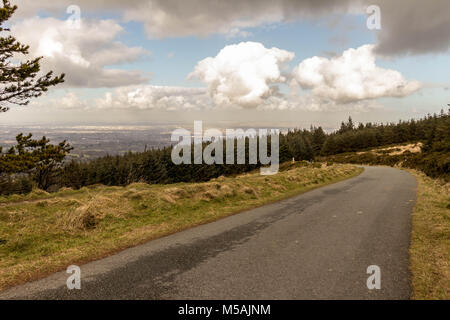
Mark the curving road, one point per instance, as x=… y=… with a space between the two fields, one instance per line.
x=314 y=246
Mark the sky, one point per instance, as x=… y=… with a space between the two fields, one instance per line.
x=277 y=63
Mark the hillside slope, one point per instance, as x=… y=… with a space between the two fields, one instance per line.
x=41 y=233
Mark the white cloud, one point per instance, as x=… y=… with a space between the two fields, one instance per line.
x=351 y=77
x=150 y=97
x=81 y=53
x=244 y=74
x=70 y=101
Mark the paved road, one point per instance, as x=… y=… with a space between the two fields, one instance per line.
x=314 y=246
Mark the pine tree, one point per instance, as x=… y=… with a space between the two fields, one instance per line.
x=149 y=168
x=319 y=138
x=36 y=157
x=19 y=82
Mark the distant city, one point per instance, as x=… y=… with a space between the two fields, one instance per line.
x=92 y=141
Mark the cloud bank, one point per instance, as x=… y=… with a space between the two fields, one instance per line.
x=248 y=75
x=408 y=26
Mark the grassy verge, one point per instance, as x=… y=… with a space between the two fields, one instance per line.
x=430 y=239
x=42 y=233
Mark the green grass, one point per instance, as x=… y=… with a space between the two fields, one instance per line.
x=42 y=233
x=430 y=240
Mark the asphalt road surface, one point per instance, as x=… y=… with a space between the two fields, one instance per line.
x=314 y=246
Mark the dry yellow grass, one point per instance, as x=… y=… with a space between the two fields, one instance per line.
x=42 y=233
x=82 y=216
x=396 y=150
x=430 y=240
x=413 y=148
